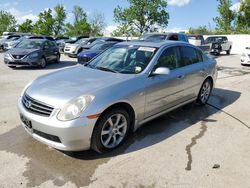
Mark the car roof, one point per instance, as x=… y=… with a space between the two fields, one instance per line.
x=156 y=44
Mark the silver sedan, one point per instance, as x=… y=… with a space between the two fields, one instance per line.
x=97 y=105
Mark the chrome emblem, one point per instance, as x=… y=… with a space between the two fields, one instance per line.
x=18 y=57
x=27 y=104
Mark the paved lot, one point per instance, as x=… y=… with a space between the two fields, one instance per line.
x=190 y=147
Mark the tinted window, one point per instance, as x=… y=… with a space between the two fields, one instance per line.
x=170 y=58
x=189 y=56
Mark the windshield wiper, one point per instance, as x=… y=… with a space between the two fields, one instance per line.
x=106 y=69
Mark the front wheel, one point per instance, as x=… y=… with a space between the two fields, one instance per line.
x=43 y=63
x=110 y=131
x=205 y=92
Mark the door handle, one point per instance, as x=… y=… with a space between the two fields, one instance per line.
x=181 y=77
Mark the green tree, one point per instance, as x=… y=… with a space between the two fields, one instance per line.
x=80 y=25
x=124 y=31
x=59 y=19
x=97 y=24
x=141 y=15
x=26 y=27
x=226 y=17
x=45 y=23
x=243 y=17
x=201 y=30
x=7 y=22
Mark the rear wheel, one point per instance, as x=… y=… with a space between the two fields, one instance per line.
x=205 y=92
x=111 y=130
x=229 y=51
x=57 y=58
x=43 y=63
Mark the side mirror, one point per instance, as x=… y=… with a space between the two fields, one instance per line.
x=45 y=47
x=161 y=71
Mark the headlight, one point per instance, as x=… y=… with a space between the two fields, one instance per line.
x=33 y=55
x=74 y=108
x=7 y=56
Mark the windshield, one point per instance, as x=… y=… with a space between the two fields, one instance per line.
x=80 y=41
x=102 y=46
x=30 y=44
x=124 y=59
x=213 y=39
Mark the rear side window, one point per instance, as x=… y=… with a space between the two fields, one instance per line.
x=189 y=56
x=170 y=58
x=182 y=38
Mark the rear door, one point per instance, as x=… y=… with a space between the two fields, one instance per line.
x=194 y=71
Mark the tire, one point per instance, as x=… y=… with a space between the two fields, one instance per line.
x=107 y=135
x=58 y=58
x=205 y=92
x=229 y=51
x=43 y=63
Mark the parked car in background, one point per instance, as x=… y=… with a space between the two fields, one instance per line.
x=12 y=43
x=72 y=40
x=72 y=50
x=198 y=40
x=219 y=44
x=87 y=55
x=32 y=52
x=245 y=57
x=96 y=106
x=164 y=36
x=7 y=38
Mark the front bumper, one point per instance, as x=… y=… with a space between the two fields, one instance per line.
x=22 y=62
x=70 y=52
x=245 y=60
x=74 y=135
x=215 y=51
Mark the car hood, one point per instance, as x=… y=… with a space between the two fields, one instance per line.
x=71 y=45
x=21 y=51
x=62 y=86
x=89 y=53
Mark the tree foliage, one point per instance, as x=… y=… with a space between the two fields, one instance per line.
x=141 y=15
x=243 y=17
x=80 y=25
x=45 y=23
x=201 y=30
x=7 y=22
x=26 y=27
x=59 y=19
x=226 y=16
x=97 y=24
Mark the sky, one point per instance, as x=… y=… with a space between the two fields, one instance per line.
x=183 y=13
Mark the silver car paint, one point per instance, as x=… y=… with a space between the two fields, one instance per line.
x=149 y=96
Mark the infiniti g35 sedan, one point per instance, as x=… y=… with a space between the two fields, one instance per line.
x=32 y=52
x=97 y=105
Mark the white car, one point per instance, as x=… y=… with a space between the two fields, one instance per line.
x=245 y=57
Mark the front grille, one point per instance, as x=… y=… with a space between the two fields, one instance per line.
x=47 y=136
x=35 y=106
x=18 y=63
x=18 y=56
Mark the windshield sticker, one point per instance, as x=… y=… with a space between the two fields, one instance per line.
x=146 y=49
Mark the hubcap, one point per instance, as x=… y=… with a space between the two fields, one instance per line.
x=114 y=131
x=205 y=91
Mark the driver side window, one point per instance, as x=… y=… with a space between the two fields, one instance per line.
x=170 y=58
